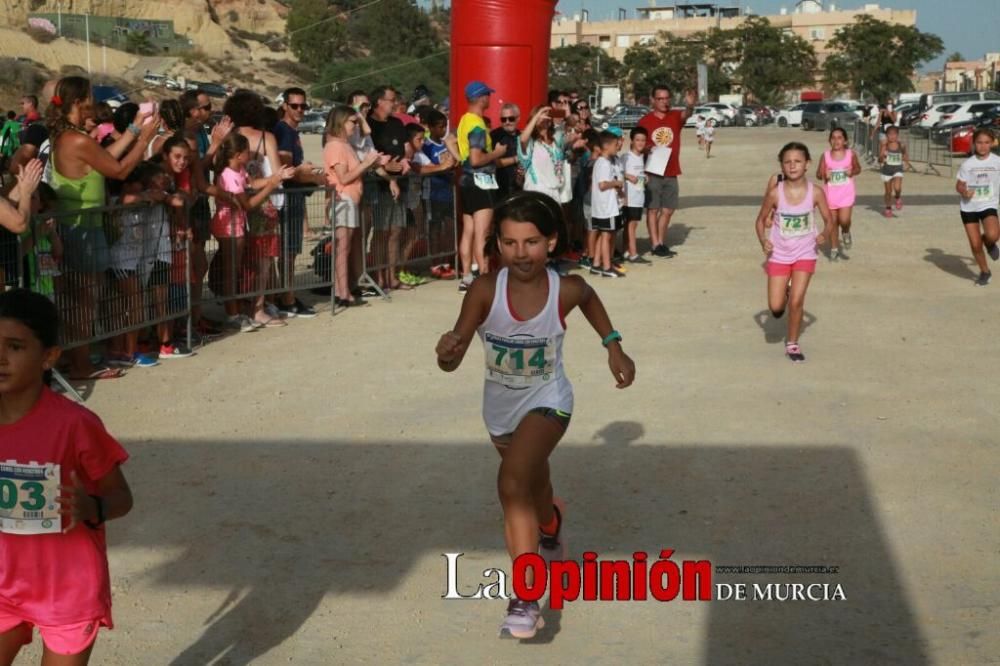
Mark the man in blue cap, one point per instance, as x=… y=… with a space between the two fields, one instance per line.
x=478 y=183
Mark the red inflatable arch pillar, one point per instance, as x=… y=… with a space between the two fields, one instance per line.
x=505 y=44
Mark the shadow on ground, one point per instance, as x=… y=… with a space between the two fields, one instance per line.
x=281 y=524
x=960 y=266
x=873 y=202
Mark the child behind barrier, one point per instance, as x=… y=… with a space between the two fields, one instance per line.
x=230 y=225
x=344 y=172
x=42 y=246
x=439 y=188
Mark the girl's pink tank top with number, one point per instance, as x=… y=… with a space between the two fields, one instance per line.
x=839 y=183
x=793 y=233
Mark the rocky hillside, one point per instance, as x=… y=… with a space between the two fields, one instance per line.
x=235 y=41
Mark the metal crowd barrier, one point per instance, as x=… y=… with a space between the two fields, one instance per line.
x=932 y=148
x=114 y=270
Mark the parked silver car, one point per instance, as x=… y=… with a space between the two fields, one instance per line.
x=312 y=123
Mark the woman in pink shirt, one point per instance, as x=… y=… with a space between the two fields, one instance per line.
x=788 y=236
x=344 y=172
x=61 y=481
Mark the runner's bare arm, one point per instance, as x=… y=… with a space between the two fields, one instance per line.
x=764 y=217
x=855 y=164
x=819 y=197
x=575 y=292
x=451 y=347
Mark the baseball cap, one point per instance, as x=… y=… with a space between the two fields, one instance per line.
x=617 y=131
x=474 y=89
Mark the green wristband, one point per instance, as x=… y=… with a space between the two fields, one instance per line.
x=611 y=337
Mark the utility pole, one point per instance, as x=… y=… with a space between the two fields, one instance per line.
x=86 y=20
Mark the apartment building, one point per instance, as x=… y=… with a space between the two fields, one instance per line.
x=813 y=20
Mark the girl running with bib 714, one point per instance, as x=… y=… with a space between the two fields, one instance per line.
x=837 y=170
x=788 y=235
x=519 y=313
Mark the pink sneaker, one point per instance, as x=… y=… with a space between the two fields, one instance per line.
x=888 y=212
x=899 y=204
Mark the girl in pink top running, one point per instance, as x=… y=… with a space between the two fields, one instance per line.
x=788 y=235
x=60 y=480
x=837 y=170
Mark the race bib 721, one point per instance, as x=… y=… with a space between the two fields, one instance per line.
x=28 y=494
x=792 y=226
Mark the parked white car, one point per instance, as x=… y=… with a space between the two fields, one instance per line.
x=790 y=117
x=966 y=112
x=708 y=113
x=727 y=111
x=933 y=115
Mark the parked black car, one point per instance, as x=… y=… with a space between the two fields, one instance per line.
x=827 y=115
x=626 y=117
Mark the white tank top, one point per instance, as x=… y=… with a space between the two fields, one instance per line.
x=524 y=368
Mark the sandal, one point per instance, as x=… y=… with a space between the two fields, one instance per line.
x=100 y=373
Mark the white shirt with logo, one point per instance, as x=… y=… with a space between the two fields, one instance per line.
x=982 y=177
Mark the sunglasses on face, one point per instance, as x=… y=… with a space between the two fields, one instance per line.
x=298 y=107
x=583 y=108
x=206 y=107
x=509 y=119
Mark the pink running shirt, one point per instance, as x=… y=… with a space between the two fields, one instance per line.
x=58 y=579
x=793 y=233
x=839 y=186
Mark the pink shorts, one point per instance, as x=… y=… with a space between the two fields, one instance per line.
x=63 y=639
x=784 y=270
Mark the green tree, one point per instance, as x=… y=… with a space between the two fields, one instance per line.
x=316 y=34
x=956 y=57
x=139 y=43
x=673 y=62
x=877 y=58
x=575 y=67
x=771 y=61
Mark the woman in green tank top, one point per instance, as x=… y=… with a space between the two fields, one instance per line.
x=79 y=167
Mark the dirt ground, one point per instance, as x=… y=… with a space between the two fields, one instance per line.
x=295 y=489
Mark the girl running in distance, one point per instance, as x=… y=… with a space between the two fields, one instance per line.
x=788 y=236
x=979 y=186
x=519 y=313
x=892 y=157
x=55 y=565
x=837 y=170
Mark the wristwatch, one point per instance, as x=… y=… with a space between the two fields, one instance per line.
x=100 y=514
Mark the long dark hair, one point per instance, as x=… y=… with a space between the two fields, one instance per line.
x=234 y=144
x=69 y=91
x=535 y=207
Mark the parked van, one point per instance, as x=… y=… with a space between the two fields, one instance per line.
x=927 y=100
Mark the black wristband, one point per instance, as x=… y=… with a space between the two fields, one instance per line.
x=100 y=514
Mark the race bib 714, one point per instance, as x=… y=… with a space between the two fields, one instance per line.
x=28 y=498
x=519 y=362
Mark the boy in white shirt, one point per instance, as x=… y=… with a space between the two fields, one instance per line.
x=604 y=209
x=635 y=192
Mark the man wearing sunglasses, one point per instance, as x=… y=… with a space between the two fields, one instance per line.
x=293 y=213
x=507 y=135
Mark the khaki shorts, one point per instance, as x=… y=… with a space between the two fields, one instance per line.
x=661 y=192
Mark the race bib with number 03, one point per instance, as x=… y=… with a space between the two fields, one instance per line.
x=838 y=177
x=894 y=159
x=792 y=226
x=485 y=181
x=518 y=362
x=28 y=498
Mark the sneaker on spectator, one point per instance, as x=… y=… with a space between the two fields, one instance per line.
x=637 y=259
x=174 y=351
x=303 y=310
x=447 y=274
x=274 y=311
x=143 y=361
x=283 y=311
x=120 y=360
x=241 y=322
x=585 y=262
